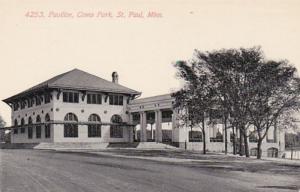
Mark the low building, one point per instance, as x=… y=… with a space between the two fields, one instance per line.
x=79 y=107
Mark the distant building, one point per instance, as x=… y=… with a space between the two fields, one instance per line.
x=79 y=107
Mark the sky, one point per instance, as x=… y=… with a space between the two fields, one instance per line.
x=141 y=49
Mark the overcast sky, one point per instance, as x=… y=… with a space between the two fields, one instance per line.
x=141 y=50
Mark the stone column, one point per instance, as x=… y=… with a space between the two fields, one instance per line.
x=207 y=133
x=143 y=123
x=158 y=131
x=228 y=134
x=130 y=129
x=174 y=124
x=223 y=130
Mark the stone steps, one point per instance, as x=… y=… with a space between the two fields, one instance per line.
x=154 y=145
x=87 y=146
x=69 y=145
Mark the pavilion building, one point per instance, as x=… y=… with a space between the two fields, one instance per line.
x=78 y=107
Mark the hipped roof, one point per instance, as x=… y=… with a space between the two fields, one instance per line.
x=78 y=80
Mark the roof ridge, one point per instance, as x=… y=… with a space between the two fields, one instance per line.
x=75 y=69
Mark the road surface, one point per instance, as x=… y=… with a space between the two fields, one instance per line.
x=45 y=171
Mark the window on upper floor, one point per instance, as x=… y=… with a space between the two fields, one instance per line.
x=38 y=100
x=116 y=100
x=30 y=102
x=47 y=98
x=16 y=106
x=94 y=98
x=70 y=97
x=253 y=137
x=23 y=103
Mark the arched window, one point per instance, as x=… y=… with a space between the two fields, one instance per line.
x=71 y=128
x=22 y=125
x=116 y=130
x=29 y=128
x=253 y=137
x=47 y=126
x=16 y=127
x=94 y=130
x=38 y=127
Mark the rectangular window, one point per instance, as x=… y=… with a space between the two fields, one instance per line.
x=116 y=100
x=70 y=130
x=38 y=131
x=47 y=131
x=16 y=106
x=195 y=136
x=116 y=131
x=38 y=101
x=94 y=98
x=111 y=99
x=16 y=131
x=89 y=100
x=94 y=131
x=65 y=97
x=120 y=100
x=30 y=103
x=22 y=130
x=47 y=98
x=23 y=104
x=70 y=97
x=29 y=132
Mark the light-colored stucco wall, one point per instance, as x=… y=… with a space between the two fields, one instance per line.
x=32 y=112
x=57 y=109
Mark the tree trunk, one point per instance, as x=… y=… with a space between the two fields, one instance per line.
x=259 y=152
x=191 y=136
x=234 y=140
x=242 y=147
x=246 y=145
x=225 y=123
x=203 y=137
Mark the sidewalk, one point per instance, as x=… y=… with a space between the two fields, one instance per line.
x=169 y=155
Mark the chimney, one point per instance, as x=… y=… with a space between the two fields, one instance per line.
x=115 y=77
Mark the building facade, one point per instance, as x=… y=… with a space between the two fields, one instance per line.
x=79 y=107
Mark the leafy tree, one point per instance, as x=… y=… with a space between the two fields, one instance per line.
x=195 y=98
x=231 y=71
x=248 y=89
x=276 y=92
